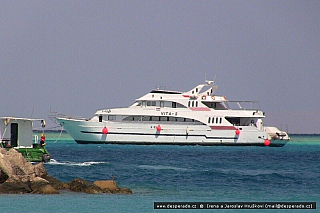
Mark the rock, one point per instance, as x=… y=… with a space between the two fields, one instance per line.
x=40 y=171
x=80 y=185
x=37 y=182
x=15 y=172
x=55 y=183
x=18 y=176
x=12 y=163
x=3 y=177
x=47 y=189
x=14 y=186
x=39 y=185
x=124 y=191
x=19 y=165
x=111 y=186
x=106 y=184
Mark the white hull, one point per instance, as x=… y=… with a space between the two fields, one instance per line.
x=170 y=134
x=196 y=117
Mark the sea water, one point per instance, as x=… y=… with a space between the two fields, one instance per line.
x=158 y=173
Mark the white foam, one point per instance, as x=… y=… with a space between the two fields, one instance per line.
x=70 y=163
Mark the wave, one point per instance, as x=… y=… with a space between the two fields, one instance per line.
x=248 y=174
x=69 y=163
x=161 y=167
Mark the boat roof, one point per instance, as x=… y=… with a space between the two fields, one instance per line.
x=165 y=91
x=15 y=118
x=197 y=90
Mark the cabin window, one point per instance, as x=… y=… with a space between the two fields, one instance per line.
x=234 y=121
x=130 y=118
x=160 y=119
x=212 y=105
x=100 y=118
x=146 y=118
x=111 y=117
x=136 y=118
x=215 y=120
x=174 y=105
x=161 y=104
x=180 y=119
x=151 y=103
x=133 y=118
x=155 y=118
x=180 y=106
x=164 y=118
x=172 y=119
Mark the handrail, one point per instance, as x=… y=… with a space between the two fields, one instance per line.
x=36 y=137
x=243 y=105
x=53 y=115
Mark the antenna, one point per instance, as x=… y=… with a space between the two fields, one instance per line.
x=32 y=112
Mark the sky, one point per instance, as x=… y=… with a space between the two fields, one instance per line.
x=75 y=57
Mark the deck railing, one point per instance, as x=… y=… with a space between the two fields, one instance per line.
x=242 y=105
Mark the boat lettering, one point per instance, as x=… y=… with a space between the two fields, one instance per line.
x=106 y=110
x=169 y=113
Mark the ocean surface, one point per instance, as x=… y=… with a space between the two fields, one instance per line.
x=178 y=173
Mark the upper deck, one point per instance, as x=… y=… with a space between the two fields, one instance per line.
x=200 y=98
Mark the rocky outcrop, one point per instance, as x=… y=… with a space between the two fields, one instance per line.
x=18 y=176
x=80 y=185
x=111 y=186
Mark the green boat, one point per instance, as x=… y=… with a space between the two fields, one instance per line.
x=17 y=133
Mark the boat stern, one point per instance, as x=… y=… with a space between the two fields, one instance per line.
x=277 y=137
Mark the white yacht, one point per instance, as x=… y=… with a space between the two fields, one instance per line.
x=196 y=117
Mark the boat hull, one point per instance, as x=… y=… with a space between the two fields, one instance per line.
x=85 y=132
x=37 y=153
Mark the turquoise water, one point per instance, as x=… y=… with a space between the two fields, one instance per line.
x=177 y=173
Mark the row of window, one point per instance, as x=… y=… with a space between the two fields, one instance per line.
x=109 y=118
x=159 y=118
x=216 y=120
x=150 y=118
x=168 y=104
x=193 y=104
x=213 y=120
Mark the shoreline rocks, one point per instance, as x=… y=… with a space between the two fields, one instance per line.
x=18 y=176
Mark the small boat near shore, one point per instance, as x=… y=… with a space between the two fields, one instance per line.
x=195 y=117
x=17 y=133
